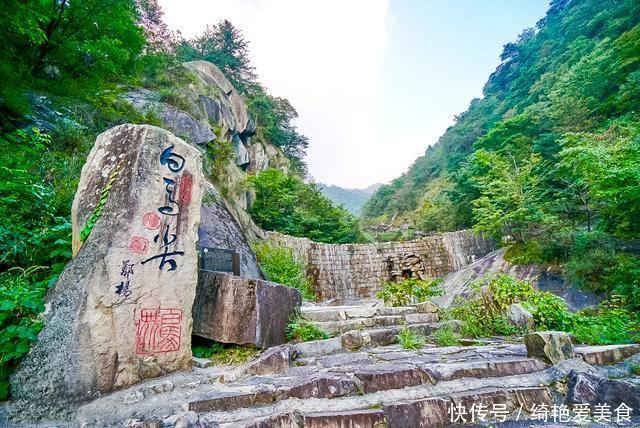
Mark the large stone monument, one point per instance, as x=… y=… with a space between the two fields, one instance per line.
x=121 y=310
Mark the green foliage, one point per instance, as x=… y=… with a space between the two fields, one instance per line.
x=274 y=124
x=97 y=211
x=606 y=325
x=280 y=265
x=483 y=315
x=410 y=340
x=223 y=45
x=446 y=337
x=21 y=302
x=524 y=253
x=65 y=46
x=286 y=204
x=225 y=354
x=409 y=290
x=299 y=330
x=218 y=154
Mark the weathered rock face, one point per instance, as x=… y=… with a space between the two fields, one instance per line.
x=585 y=388
x=121 y=310
x=544 y=278
x=232 y=105
x=518 y=316
x=244 y=311
x=218 y=228
x=549 y=346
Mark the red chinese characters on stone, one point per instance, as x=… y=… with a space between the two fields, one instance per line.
x=158 y=331
x=186 y=183
x=139 y=245
x=151 y=221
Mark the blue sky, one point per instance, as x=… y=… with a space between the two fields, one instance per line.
x=375 y=82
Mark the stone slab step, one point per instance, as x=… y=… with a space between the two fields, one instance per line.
x=341 y=313
x=439 y=411
x=341 y=326
x=607 y=354
x=354 y=374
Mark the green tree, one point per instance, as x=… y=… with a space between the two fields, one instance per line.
x=66 y=42
x=223 y=45
x=511 y=201
x=285 y=203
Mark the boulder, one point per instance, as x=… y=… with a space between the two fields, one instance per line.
x=183 y=124
x=427 y=307
x=586 y=388
x=120 y=312
x=209 y=74
x=243 y=311
x=550 y=346
x=519 y=317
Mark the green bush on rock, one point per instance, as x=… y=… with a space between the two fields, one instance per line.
x=483 y=315
x=410 y=340
x=409 y=290
x=281 y=266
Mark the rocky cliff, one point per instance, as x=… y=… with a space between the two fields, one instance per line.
x=209 y=113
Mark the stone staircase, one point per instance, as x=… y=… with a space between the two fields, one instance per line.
x=340 y=319
x=322 y=384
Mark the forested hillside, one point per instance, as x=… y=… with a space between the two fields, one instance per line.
x=549 y=158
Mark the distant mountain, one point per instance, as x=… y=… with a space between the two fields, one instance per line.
x=351 y=199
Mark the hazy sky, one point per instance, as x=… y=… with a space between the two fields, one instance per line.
x=374 y=81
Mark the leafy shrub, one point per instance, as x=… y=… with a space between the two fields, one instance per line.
x=483 y=315
x=225 y=354
x=623 y=279
x=549 y=311
x=523 y=253
x=608 y=324
x=21 y=302
x=447 y=337
x=299 y=330
x=410 y=340
x=280 y=265
x=409 y=290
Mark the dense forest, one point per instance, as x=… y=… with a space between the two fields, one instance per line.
x=65 y=67
x=549 y=159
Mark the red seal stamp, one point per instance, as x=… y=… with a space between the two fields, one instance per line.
x=151 y=221
x=158 y=331
x=139 y=245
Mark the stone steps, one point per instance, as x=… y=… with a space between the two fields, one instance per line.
x=327 y=386
x=356 y=375
x=426 y=412
x=340 y=319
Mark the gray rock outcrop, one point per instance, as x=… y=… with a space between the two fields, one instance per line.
x=585 y=388
x=549 y=346
x=518 y=316
x=121 y=310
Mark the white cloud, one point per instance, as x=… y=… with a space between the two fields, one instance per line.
x=326 y=57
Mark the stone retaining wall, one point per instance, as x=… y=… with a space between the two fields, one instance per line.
x=342 y=271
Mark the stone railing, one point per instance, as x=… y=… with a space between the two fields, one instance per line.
x=341 y=271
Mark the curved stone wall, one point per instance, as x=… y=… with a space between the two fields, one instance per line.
x=342 y=271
